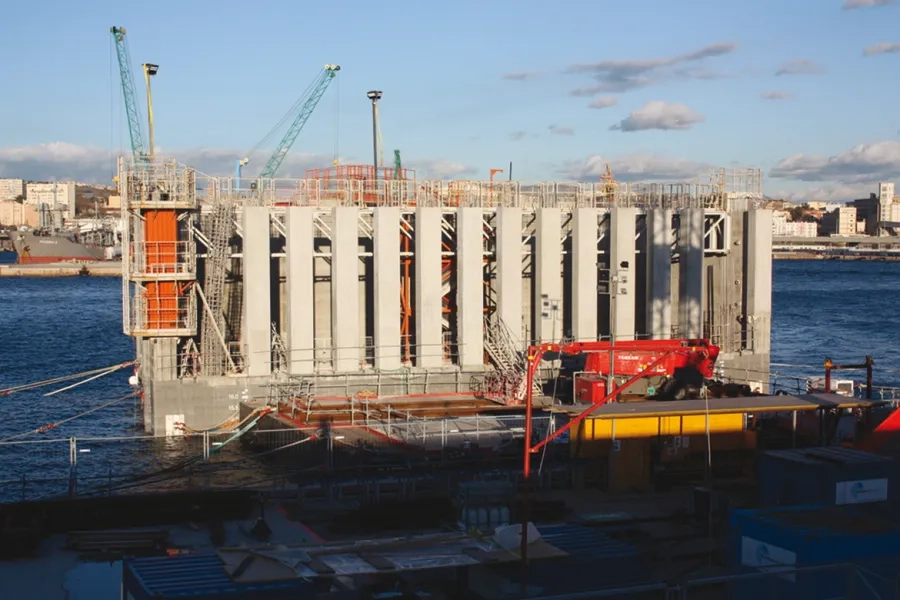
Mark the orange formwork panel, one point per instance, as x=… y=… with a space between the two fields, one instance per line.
x=161 y=237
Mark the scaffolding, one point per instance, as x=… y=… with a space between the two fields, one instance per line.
x=159 y=260
x=357 y=185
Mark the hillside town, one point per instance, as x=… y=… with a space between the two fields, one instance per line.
x=877 y=215
x=37 y=204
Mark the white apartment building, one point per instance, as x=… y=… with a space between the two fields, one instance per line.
x=52 y=193
x=781 y=227
x=841 y=221
x=886 y=202
x=10 y=189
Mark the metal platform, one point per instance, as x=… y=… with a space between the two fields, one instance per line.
x=750 y=404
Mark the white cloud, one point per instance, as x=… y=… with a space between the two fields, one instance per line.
x=521 y=76
x=659 y=115
x=863 y=163
x=557 y=130
x=440 y=169
x=518 y=136
x=65 y=161
x=775 y=95
x=616 y=76
x=636 y=167
x=851 y=4
x=825 y=193
x=800 y=67
x=882 y=48
x=604 y=102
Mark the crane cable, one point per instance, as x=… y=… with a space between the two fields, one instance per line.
x=291 y=112
x=49 y=426
x=90 y=376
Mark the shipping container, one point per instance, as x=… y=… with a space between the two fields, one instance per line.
x=825 y=476
x=777 y=541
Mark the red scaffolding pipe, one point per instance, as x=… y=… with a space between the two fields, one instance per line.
x=535 y=354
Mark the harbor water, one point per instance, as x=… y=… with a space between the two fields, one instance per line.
x=59 y=326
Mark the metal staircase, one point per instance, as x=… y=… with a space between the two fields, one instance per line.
x=506 y=356
x=217 y=257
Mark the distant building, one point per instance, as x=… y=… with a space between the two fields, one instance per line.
x=881 y=207
x=10 y=189
x=16 y=214
x=51 y=194
x=841 y=221
x=782 y=227
x=804 y=229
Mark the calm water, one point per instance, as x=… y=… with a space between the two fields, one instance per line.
x=60 y=326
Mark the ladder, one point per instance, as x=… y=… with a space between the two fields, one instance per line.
x=217 y=256
x=506 y=355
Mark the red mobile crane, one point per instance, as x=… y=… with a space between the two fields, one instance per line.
x=679 y=366
x=671 y=356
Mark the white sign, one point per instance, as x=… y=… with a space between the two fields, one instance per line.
x=171 y=424
x=862 y=491
x=767 y=557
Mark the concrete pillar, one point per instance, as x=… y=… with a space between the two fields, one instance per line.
x=659 y=273
x=257 y=291
x=299 y=289
x=584 y=273
x=470 y=286
x=345 y=289
x=758 y=280
x=509 y=269
x=429 y=316
x=622 y=230
x=547 y=262
x=690 y=273
x=387 y=288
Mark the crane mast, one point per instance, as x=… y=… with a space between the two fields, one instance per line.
x=134 y=121
x=318 y=89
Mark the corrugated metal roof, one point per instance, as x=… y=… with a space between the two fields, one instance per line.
x=585 y=542
x=828 y=454
x=196 y=576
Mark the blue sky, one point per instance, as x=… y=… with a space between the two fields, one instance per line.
x=681 y=85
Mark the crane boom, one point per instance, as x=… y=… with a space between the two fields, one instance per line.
x=134 y=119
x=318 y=88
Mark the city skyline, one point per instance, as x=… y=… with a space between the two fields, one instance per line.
x=804 y=95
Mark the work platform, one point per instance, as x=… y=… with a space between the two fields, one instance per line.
x=716 y=406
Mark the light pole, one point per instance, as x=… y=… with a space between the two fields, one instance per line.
x=374 y=96
x=149 y=71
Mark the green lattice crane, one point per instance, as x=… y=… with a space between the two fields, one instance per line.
x=131 y=110
x=309 y=101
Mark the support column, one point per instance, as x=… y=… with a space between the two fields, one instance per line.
x=257 y=291
x=622 y=230
x=470 y=286
x=584 y=273
x=299 y=289
x=758 y=280
x=387 y=287
x=659 y=273
x=509 y=270
x=547 y=263
x=429 y=316
x=690 y=273
x=345 y=289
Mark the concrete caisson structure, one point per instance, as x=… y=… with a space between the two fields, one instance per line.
x=396 y=287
